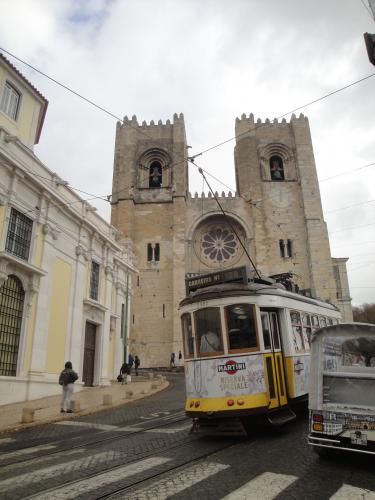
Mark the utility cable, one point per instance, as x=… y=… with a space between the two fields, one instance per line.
x=228 y=221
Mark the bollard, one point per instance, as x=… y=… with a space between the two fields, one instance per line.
x=107 y=399
x=27 y=415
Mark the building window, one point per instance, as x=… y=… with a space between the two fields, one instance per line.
x=289 y=249
x=163 y=310
x=11 y=308
x=153 y=252
x=276 y=168
x=155 y=175
x=157 y=252
x=282 y=248
x=94 y=281
x=286 y=249
x=149 y=252
x=19 y=234
x=10 y=101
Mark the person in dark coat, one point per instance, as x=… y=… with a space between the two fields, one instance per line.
x=130 y=363
x=66 y=379
x=137 y=362
x=124 y=372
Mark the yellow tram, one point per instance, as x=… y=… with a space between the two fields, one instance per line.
x=247 y=348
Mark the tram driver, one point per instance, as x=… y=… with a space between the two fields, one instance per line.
x=210 y=342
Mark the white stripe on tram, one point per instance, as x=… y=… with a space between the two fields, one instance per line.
x=87 y=485
x=266 y=487
x=347 y=492
x=173 y=484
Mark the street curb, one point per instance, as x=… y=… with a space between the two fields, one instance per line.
x=97 y=409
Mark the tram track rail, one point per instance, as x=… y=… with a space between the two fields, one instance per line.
x=58 y=491
x=116 y=436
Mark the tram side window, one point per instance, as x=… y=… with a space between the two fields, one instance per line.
x=208 y=331
x=315 y=323
x=322 y=321
x=187 y=335
x=241 y=327
x=306 y=330
x=297 y=331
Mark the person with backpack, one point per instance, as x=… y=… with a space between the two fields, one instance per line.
x=124 y=372
x=137 y=362
x=66 y=379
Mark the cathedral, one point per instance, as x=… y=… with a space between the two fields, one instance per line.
x=276 y=212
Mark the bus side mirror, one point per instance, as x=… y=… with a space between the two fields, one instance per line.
x=370 y=46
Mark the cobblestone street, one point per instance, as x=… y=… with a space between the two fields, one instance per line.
x=143 y=450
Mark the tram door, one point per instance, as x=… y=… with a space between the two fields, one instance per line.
x=274 y=364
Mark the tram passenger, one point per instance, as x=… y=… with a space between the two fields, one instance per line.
x=210 y=342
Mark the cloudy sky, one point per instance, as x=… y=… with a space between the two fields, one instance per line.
x=212 y=60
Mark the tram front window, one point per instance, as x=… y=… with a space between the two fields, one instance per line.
x=241 y=327
x=187 y=335
x=208 y=331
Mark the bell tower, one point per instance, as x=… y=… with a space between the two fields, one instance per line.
x=149 y=196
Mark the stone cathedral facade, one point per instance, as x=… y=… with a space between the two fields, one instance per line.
x=276 y=211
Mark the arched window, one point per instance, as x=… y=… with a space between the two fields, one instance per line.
x=11 y=308
x=155 y=175
x=276 y=168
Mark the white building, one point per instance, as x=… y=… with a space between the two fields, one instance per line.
x=65 y=282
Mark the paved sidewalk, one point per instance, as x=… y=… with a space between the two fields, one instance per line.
x=88 y=400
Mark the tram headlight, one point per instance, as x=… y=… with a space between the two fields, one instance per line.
x=240 y=402
x=197 y=404
x=191 y=404
x=230 y=402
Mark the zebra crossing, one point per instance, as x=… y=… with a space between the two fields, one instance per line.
x=265 y=486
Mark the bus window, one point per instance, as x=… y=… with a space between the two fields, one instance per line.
x=306 y=330
x=208 y=331
x=359 y=352
x=187 y=335
x=297 y=331
x=241 y=327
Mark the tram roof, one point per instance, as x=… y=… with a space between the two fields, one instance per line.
x=224 y=290
x=343 y=329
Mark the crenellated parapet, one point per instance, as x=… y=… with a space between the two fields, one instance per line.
x=209 y=195
x=133 y=122
x=247 y=124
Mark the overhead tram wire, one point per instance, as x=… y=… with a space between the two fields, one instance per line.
x=286 y=114
x=228 y=220
x=89 y=101
x=347 y=172
x=256 y=126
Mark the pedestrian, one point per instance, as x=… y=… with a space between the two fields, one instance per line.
x=172 y=363
x=130 y=363
x=66 y=379
x=137 y=362
x=124 y=371
x=179 y=357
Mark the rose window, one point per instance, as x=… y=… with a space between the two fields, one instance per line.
x=219 y=244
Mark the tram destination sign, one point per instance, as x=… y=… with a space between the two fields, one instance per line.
x=234 y=275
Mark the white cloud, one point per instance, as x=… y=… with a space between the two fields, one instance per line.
x=213 y=61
